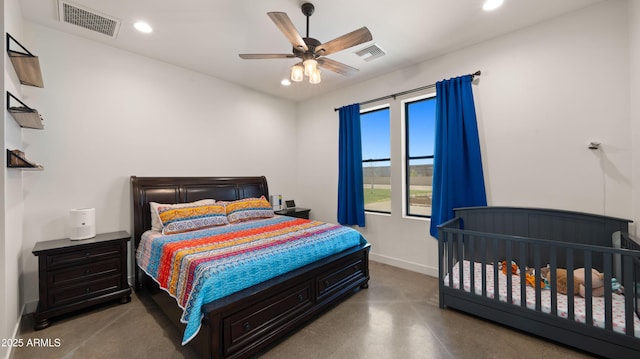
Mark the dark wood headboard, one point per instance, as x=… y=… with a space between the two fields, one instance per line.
x=187 y=189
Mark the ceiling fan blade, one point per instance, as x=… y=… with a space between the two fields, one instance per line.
x=265 y=56
x=285 y=25
x=336 y=66
x=346 y=41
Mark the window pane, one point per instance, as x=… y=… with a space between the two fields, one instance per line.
x=420 y=142
x=420 y=177
x=377 y=186
x=376 y=137
x=421 y=127
x=376 y=160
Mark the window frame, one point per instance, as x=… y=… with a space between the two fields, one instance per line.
x=372 y=160
x=407 y=158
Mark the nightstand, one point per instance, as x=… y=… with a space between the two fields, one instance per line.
x=295 y=212
x=78 y=274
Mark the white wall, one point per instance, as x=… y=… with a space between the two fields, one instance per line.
x=545 y=92
x=634 y=61
x=110 y=114
x=11 y=210
x=5 y=330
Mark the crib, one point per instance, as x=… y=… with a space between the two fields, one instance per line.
x=477 y=240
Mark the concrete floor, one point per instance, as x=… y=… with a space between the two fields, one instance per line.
x=396 y=317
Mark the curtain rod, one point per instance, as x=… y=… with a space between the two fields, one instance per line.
x=477 y=73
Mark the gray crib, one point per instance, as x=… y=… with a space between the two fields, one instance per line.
x=479 y=237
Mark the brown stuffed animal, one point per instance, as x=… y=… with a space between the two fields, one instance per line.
x=561 y=276
x=597 y=282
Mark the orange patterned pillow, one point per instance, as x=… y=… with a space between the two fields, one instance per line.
x=248 y=208
x=185 y=219
x=156 y=223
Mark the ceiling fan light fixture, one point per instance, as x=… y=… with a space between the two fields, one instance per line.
x=311 y=51
x=310 y=66
x=315 y=78
x=297 y=73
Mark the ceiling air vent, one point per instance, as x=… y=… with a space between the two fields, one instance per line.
x=372 y=52
x=87 y=18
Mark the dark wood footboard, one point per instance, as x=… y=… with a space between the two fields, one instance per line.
x=250 y=321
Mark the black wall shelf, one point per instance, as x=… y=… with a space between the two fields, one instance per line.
x=24 y=115
x=25 y=63
x=14 y=160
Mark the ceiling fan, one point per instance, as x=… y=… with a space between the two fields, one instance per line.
x=311 y=51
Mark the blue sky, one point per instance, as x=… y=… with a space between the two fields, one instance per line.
x=376 y=135
x=376 y=138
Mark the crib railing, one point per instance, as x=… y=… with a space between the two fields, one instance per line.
x=457 y=244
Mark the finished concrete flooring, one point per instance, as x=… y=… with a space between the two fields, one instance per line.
x=396 y=317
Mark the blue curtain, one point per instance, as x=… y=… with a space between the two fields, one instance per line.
x=458 y=180
x=350 y=187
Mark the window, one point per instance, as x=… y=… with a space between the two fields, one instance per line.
x=376 y=160
x=420 y=128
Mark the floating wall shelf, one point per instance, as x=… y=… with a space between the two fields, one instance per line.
x=15 y=159
x=25 y=63
x=24 y=115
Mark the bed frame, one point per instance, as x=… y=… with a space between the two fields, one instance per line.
x=250 y=321
x=536 y=237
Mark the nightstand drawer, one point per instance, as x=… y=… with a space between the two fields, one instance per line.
x=85 y=273
x=72 y=294
x=89 y=254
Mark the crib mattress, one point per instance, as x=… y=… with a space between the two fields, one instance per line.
x=598 y=306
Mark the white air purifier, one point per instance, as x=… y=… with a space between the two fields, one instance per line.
x=82 y=223
x=276 y=202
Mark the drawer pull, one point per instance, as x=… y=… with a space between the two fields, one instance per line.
x=246 y=326
x=356 y=267
x=87 y=290
x=300 y=298
x=87 y=254
x=326 y=283
x=87 y=271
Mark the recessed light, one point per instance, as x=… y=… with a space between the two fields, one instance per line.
x=143 y=27
x=491 y=4
x=285 y=82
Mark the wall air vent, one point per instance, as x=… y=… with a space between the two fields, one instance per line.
x=87 y=18
x=372 y=52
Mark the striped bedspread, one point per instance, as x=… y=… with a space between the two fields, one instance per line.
x=201 y=266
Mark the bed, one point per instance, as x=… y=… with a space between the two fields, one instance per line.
x=478 y=244
x=243 y=323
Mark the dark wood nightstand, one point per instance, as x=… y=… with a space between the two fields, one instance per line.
x=295 y=212
x=77 y=274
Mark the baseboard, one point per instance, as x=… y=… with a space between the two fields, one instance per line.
x=16 y=330
x=414 y=267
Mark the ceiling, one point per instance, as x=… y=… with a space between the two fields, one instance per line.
x=207 y=35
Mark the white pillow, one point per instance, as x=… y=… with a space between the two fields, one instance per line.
x=156 y=224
